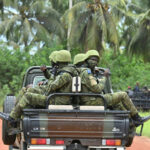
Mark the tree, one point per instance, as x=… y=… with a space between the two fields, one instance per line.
x=140 y=44
x=30 y=22
x=92 y=24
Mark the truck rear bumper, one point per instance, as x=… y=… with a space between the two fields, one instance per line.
x=105 y=147
x=46 y=147
x=36 y=147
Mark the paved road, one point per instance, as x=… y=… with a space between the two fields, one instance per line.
x=139 y=143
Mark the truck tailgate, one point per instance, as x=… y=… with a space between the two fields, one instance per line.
x=75 y=123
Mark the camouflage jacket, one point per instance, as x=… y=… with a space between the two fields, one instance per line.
x=61 y=84
x=90 y=84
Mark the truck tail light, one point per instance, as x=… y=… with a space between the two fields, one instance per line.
x=60 y=142
x=40 y=141
x=111 y=142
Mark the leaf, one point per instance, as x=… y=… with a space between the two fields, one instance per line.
x=10 y=23
x=27 y=33
x=111 y=29
x=41 y=33
x=93 y=35
x=37 y=7
x=51 y=21
x=140 y=44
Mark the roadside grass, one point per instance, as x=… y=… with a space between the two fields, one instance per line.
x=146 y=127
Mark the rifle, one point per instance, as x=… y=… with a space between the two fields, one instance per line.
x=4 y=116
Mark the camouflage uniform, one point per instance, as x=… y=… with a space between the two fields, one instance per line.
x=62 y=83
x=95 y=85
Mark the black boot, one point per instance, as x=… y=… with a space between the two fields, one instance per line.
x=12 y=122
x=13 y=127
x=138 y=120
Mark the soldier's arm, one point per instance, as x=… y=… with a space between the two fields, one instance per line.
x=45 y=71
x=91 y=82
x=102 y=80
x=59 y=82
x=47 y=74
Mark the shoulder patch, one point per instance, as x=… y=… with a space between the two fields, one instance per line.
x=88 y=71
x=92 y=80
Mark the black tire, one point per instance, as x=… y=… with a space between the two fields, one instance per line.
x=131 y=136
x=130 y=140
x=9 y=103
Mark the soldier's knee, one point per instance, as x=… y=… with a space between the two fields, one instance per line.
x=27 y=95
x=30 y=89
x=122 y=93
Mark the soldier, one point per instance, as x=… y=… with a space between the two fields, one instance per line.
x=96 y=85
x=49 y=75
x=62 y=83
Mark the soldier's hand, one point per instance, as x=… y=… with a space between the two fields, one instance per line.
x=40 y=83
x=43 y=68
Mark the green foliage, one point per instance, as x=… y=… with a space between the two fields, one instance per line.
x=3 y=92
x=12 y=64
x=140 y=43
x=126 y=71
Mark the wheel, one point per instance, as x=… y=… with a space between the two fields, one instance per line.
x=9 y=103
x=130 y=140
x=131 y=136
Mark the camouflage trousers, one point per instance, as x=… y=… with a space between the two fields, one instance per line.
x=31 y=100
x=38 y=90
x=118 y=100
x=28 y=100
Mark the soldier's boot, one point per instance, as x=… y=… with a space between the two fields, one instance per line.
x=138 y=120
x=12 y=123
x=13 y=126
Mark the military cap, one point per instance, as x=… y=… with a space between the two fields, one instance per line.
x=79 y=58
x=63 y=56
x=52 y=56
x=92 y=53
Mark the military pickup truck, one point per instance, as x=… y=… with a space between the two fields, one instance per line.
x=68 y=127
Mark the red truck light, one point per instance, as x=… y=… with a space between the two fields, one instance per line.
x=40 y=141
x=60 y=142
x=111 y=142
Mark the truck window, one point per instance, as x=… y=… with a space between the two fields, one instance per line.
x=37 y=79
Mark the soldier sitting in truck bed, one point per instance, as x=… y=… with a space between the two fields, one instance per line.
x=92 y=84
x=49 y=75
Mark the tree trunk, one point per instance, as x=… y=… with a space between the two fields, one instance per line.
x=69 y=28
